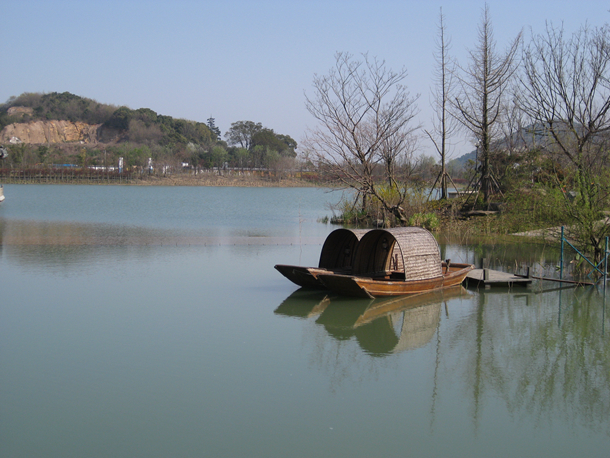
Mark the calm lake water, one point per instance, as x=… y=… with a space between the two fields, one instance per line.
x=149 y=322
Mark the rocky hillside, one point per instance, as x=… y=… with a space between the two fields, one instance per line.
x=45 y=132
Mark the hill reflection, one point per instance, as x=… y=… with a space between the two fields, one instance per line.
x=44 y=244
x=48 y=243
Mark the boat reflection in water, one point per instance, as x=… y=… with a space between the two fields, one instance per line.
x=304 y=303
x=380 y=326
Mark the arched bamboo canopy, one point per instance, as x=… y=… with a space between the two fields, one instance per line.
x=411 y=250
x=339 y=247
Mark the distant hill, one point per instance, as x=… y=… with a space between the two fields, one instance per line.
x=523 y=139
x=462 y=160
x=114 y=124
x=63 y=128
x=458 y=165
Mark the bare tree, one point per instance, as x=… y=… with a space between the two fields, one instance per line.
x=365 y=115
x=443 y=124
x=565 y=90
x=483 y=84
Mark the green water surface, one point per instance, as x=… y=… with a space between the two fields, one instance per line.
x=149 y=322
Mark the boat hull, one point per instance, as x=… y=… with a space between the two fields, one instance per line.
x=370 y=287
x=306 y=277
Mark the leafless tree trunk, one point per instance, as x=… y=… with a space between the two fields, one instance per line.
x=365 y=114
x=444 y=125
x=483 y=84
x=565 y=90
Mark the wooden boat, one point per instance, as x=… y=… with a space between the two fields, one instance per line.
x=396 y=262
x=336 y=257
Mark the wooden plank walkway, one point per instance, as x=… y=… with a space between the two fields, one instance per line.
x=489 y=277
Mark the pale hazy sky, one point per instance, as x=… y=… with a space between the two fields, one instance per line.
x=244 y=59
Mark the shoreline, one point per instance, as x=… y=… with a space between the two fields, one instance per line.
x=232 y=181
x=177 y=180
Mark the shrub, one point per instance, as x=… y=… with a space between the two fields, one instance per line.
x=426 y=220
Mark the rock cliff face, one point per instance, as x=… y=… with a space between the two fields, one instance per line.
x=50 y=132
x=20 y=111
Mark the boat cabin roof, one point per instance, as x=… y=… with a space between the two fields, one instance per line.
x=339 y=247
x=412 y=250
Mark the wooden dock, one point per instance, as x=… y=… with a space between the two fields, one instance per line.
x=489 y=277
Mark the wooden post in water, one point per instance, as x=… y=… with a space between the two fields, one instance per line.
x=561 y=259
x=606 y=264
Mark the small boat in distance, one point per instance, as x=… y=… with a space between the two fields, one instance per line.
x=396 y=262
x=336 y=257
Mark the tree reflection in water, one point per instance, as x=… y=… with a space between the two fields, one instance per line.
x=543 y=352
x=542 y=366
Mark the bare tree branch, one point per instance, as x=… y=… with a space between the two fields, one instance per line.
x=483 y=84
x=443 y=125
x=565 y=91
x=365 y=115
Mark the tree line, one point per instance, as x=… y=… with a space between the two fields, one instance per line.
x=136 y=135
x=537 y=113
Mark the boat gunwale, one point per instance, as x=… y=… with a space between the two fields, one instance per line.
x=362 y=286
